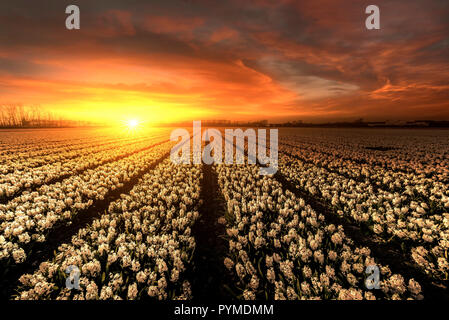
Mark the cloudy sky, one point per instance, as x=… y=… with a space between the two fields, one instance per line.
x=194 y=59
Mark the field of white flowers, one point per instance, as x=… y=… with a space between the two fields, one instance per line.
x=137 y=226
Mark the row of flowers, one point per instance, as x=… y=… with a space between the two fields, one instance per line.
x=36 y=141
x=36 y=144
x=29 y=217
x=13 y=183
x=427 y=189
x=25 y=159
x=27 y=144
x=141 y=248
x=419 y=152
x=279 y=248
x=391 y=215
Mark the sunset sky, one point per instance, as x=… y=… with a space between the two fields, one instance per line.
x=186 y=60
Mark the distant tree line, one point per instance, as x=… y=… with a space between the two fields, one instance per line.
x=360 y=123
x=218 y=123
x=14 y=115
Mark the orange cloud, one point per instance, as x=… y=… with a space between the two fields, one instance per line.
x=277 y=60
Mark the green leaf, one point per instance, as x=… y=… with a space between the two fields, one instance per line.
x=259 y=266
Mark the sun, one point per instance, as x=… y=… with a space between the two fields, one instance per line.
x=132 y=124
